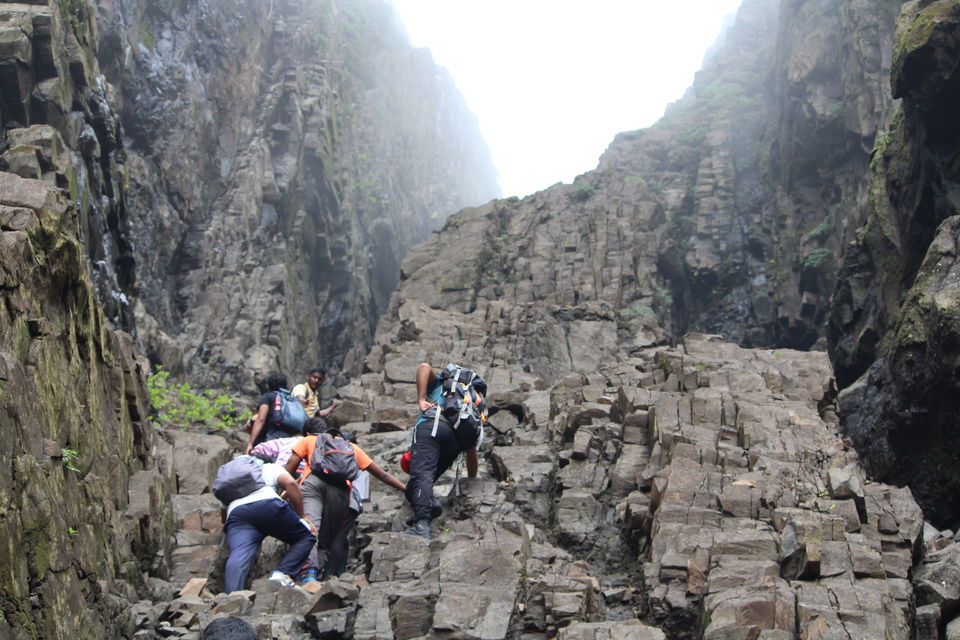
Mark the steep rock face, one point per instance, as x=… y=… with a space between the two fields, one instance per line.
x=60 y=126
x=757 y=169
x=893 y=322
x=283 y=155
x=85 y=483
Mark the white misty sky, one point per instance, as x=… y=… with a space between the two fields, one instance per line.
x=552 y=81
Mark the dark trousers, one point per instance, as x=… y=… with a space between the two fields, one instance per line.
x=246 y=528
x=327 y=506
x=430 y=456
x=340 y=547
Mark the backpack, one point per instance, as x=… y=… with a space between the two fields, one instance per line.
x=287 y=413
x=464 y=407
x=238 y=478
x=334 y=459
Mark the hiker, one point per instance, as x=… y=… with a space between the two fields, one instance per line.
x=326 y=489
x=252 y=510
x=339 y=553
x=278 y=450
x=436 y=443
x=309 y=394
x=279 y=415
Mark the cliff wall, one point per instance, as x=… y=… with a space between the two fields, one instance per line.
x=85 y=480
x=281 y=157
x=893 y=325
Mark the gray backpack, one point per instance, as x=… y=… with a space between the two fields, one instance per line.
x=238 y=478
x=334 y=459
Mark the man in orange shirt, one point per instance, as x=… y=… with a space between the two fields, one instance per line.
x=326 y=503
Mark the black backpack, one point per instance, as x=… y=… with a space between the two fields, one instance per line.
x=464 y=408
x=334 y=459
x=238 y=478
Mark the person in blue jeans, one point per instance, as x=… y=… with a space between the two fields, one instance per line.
x=432 y=453
x=263 y=513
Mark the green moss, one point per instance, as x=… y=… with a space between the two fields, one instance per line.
x=147 y=38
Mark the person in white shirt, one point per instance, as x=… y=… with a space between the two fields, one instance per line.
x=263 y=513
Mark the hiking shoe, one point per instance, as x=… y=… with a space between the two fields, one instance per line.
x=420 y=528
x=282 y=578
x=307 y=575
x=436 y=510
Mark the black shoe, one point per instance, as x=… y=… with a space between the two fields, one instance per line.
x=421 y=528
x=436 y=510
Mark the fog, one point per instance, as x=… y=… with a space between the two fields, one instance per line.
x=552 y=81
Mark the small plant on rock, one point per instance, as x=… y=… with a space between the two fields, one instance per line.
x=68 y=458
x=180 y=404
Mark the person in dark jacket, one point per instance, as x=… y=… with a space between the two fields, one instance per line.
x=275 y=382
x=432 y=453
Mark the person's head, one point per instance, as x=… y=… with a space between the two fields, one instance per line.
x=229 y=628
x=276 y=381
x=313 y=426
x=315 y=377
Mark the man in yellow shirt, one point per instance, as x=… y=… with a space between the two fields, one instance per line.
x=309 y=394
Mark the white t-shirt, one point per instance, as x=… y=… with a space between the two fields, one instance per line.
x=271 y=472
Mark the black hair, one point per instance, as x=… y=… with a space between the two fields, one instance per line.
x=276 y=381
x=229 y=628
x=314 y=426
x=319 y=370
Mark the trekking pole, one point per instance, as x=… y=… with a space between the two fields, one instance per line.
x=456 y=478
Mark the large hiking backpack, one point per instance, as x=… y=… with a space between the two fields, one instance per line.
x=287 y=413
x=334 y=459
x=464 y=406
x=238 y=478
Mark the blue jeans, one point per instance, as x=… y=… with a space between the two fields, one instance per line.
x=246 y=528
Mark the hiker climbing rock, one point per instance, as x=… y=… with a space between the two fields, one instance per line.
x=252 y=510
x=279 y=414
x=453 y=411
x=340 y=546
x=333 y=463
x=309 y=394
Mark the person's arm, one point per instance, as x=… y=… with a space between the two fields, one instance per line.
x=286 y=482
x=385 y=477
x=472 y=463
x=425 y=374
x=261 y=419
x=323 y=413
x=292 y=463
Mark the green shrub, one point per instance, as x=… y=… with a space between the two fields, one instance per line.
x=816 y=259
x=637 y=311
x=180 y=404
x=663 y=294
x=818 y=232
x=582 y=190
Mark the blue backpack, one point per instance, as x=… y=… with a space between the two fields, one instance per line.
x=287 y=413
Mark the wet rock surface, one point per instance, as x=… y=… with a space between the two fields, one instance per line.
x=893 y=329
